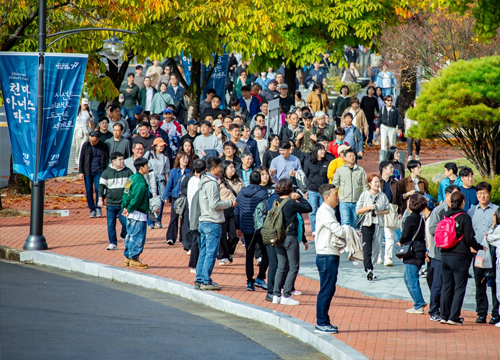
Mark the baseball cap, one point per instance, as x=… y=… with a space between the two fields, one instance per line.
x=85 y=101
x=342 y=148
x=192 y=122
x=273 y=82
x=283 y=86
x=431 y=202
x=159 y=141
x=138 y=109
x=167 y=111
x=217 y=123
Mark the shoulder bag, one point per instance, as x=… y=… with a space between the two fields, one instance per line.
x=406 y=250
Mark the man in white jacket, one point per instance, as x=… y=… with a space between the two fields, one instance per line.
x=330 y=237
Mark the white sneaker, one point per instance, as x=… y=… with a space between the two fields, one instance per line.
x=410 y=158
x=314 y=234
x=296 y=292
x=188 y=253
x=276 y=299
x=288 y=301
x=415 y=311
x=222 y=262
x=497 y=324
x=417 y=157
x=112 y=247
x=192 y=271
x=388 y=263
x=380 y=261
x=259 y=260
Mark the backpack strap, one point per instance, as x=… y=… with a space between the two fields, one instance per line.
x=280 y=209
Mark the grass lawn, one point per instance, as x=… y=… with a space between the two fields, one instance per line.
x=429 y=171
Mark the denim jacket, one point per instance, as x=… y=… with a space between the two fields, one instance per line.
x=174 y=183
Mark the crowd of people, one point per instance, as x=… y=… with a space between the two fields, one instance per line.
x=218 y=174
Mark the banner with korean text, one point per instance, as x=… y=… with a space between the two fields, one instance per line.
x=218 y=78
x=63 y=82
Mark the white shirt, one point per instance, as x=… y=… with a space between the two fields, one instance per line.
x=386 y=80
x=170 y=128
x=192 y=188
x=247 y=102
x=353 y=113
x=137 y=215
x=149 y=98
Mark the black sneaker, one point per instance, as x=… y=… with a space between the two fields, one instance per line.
x=369 y=275
x=250 y=286
x=435 y=318
x=269 y=297
x=481 y=320
x=494 y=320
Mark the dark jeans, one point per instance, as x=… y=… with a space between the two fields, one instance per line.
x=250 y=241
x=173 y=225
x=91 y=187
x=368 y=233
x=410 y=146
x=187 y=237
x=112 y=212
x=288 y=257
x=455 y=274
x=482 y=288
x=195 y=248
x=273 y=267
x=228 y=239
x=328 y=267
x=370 y=132
x=435 y=269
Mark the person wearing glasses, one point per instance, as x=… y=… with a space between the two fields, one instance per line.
x=389 y=123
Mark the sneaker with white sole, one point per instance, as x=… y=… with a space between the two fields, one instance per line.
x=222 y=262
x=296 y=292
x=112 y=247
x=289 y=301
x=170 y=242
x=326 y=329
x=415 y=311
x=259 y=260
x=92 y=214
x=410 y=158
x=188 y=252
x=497 y=324
x=389 y=263
x=417 y=157
x=380 y=261
x=276 y=299
x=98 y=212
x=192 y=271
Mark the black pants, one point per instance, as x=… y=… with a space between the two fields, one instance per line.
x=482 y=288
x=173 y=225
x=195 y=250
x=434 y=268
x=187 y=238
x=370 y=132
x=455 y=275
x=337 y=121
x=250 y=241
x=368 y=233
x=228 y=238
x=410 y=146
x=273 y=266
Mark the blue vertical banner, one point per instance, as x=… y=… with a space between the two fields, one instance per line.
x=63 y=82
x=19 y=81
x=218 y=78
x=186 y=66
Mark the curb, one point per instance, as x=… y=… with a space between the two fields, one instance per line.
x=9 y=253
x=299 y=329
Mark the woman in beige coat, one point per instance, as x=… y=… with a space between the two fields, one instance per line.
x=317 y=99
x=359 y=118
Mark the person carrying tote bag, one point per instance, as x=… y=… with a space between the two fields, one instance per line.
x=413 y=242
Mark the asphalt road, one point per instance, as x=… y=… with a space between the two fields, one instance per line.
x=52 y=314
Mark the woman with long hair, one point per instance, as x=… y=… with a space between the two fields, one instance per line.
x=372 y=204
x=161 y=100
x=393 y=157
x=230 y=152
x=299 y=102
x=266 y=180
x=84 y=124
x=272 y=150
x=159 y=162
x=317 y=98
x=182 y=167
x=230 y=185
x=315 y=169
x=188 y=147
x=217 y=131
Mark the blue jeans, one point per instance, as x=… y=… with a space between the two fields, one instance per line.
x=127 y=113
x=136 y=237
x=348 y=215
x=91 y=187
x=328 y=267
x=386 y=91
x=209 y=248
x=315 y=200
x=412 y=282
x=112 y=212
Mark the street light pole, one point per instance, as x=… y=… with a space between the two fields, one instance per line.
x=36 y=240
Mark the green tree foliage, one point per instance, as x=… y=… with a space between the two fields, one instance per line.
x=461 y=106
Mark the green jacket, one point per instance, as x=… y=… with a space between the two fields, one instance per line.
x=130 y=98
x=135 y=194
x=350 y=182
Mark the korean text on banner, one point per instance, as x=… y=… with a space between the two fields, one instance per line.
x=19 y=81
x=64 y=75
x=218 y=78
x=186 y=66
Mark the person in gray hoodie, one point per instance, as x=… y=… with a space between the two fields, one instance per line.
x=211 y=218
x=434 y=273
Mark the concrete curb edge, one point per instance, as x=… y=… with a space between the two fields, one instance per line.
x=299 y=329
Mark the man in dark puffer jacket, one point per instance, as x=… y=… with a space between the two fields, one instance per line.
x=247 y=200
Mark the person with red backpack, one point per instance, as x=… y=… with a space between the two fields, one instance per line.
x=456 y=260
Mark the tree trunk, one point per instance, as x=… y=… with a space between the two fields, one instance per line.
x=290 y=74
x=408 y=91
x=18 y=184
x=195 y=91
x=117 y=75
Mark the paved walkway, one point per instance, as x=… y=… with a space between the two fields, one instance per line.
x=376 y=326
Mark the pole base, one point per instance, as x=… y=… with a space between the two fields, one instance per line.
x=35 y=242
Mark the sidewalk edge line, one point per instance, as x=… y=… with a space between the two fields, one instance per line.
x=326 y=344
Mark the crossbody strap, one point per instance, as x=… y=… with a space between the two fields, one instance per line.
x=419 y=225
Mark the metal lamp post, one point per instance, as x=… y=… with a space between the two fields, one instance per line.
x=113 y=48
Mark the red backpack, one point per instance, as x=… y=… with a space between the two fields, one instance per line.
x=446 y=233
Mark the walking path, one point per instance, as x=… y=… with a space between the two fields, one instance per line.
x=374 y=323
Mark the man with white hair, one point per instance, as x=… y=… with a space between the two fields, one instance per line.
x=322 y=128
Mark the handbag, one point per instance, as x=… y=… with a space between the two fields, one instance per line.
x=406 y=250
x=391 y=220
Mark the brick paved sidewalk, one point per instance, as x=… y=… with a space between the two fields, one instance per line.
x=378 y=328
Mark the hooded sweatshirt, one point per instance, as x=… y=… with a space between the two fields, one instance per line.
x=247 y=200
x=211 y=206
x=113 y=181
